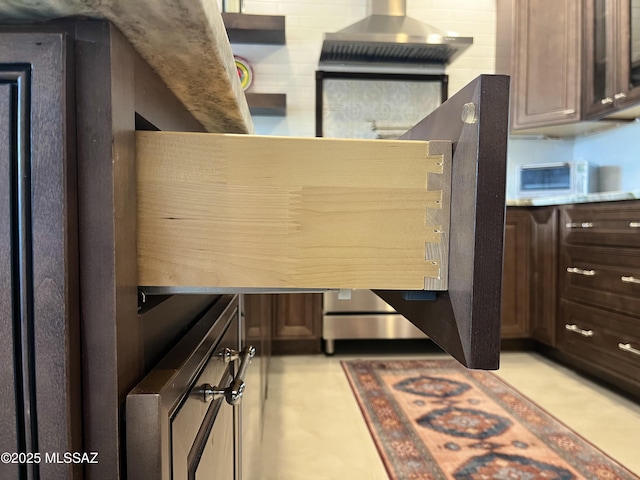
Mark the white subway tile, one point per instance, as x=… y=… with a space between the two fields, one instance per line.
x=291 y=69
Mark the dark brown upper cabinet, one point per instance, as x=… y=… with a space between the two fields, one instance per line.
x=571 y=63
x=546 y=63
x=612 y=58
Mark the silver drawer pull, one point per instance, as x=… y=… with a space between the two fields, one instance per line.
x=233 y=393
x=626 y=347
x=576 y=329
x=626 y=279
x=580 y=225
x=634 y=224
x=579 y=271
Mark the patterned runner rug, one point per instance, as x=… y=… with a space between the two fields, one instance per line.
x=434 y=419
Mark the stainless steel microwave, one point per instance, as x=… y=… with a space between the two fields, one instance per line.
x=554 y=179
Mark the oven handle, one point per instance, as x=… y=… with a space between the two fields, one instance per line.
x=233 y=393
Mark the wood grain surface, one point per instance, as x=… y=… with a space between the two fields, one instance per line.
x=274 y=212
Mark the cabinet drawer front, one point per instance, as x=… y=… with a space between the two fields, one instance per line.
x=599 y=277
x=170 y=424
x=613 y=224
x=194 y=424
x=608 y=339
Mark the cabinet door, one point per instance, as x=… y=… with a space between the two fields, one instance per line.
x=628 y=63
x=612 y=57
x=515 y=275
x=546 y=63
x=544 y=274
x=39 y=307
x=297 y=323
x=600 y=57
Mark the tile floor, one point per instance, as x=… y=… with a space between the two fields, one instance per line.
x=314 y=429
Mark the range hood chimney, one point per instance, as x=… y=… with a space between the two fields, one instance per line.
x=388 y=36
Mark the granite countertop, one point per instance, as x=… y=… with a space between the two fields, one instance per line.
x=569 y=199
x=184 y=41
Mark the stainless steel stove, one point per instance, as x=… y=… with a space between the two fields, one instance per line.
x=363 y=315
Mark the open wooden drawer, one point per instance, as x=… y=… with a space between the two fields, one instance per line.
x=421 y=214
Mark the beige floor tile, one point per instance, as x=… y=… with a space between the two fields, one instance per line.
x=315 y=430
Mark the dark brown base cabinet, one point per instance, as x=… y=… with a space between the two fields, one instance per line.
x=572 y=284
x=516 y=274
x=544 y=274
x=599 y=314
x=529 y=274
x=73 y=343
x=294 y=320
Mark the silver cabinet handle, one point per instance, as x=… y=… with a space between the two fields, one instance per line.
x=620 y=95
x=576 y=329
x=629 y=279
x=606 y=101
x=634 y=224
x=580 y=225
x=626 y=347
x=579 y=271
x=233 y=393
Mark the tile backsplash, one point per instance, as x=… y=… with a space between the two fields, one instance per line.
x=375 y=108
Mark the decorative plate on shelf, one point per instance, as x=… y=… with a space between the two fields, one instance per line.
x=244 y=71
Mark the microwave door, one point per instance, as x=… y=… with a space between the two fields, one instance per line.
x=464 y=320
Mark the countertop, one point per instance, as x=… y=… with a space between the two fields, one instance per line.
x=184 y=41
x=570 y=199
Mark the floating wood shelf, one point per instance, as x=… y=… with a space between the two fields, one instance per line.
x=267 y=104
x=258 y=29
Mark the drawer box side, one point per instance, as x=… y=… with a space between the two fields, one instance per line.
x=241 y=211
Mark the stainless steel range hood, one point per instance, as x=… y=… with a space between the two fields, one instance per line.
x=388 y=36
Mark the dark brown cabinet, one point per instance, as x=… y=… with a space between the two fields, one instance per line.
x=73 y=340
x=39 y=304
x=291 y=323
x=544 y=274
x=529 y=276
x=570 y=62
x=612 y=56
x=516 y=274
x=571 y=282
x=297 y=325
x=546 y=63
x=182 y=417
x=599 y=316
